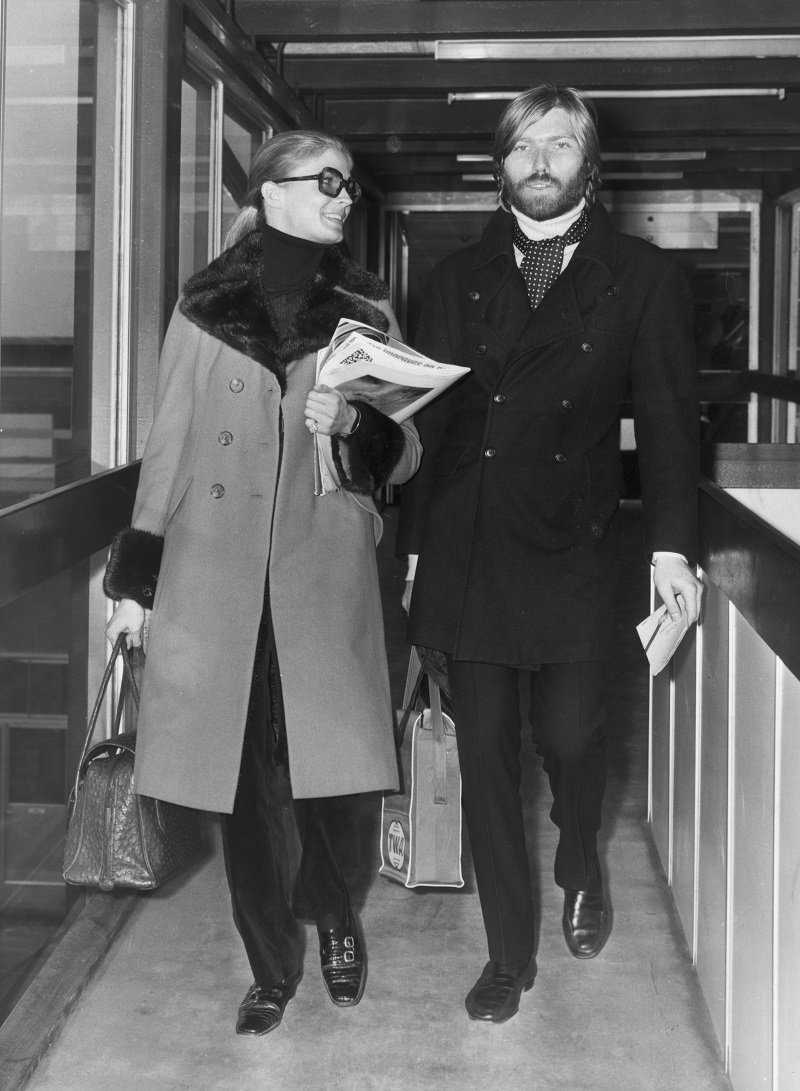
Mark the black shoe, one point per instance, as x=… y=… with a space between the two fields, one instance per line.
x=586 y=922
x=262 y=1008
x=495 y=995
x=344 y=964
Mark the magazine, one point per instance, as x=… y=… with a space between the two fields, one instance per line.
x=370 y=366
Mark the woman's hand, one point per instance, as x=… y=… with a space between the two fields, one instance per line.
x=131 y=618
x=329 y=413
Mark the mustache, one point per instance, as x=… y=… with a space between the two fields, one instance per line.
x=541 y=176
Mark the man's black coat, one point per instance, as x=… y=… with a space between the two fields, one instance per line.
x=513 y=508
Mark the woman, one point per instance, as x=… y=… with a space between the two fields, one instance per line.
x=265 y=650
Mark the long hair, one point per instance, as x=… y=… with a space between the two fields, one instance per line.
x=531 y=106
x=279 y=157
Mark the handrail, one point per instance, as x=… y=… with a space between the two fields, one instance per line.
x=42 y=536
x=756 y=567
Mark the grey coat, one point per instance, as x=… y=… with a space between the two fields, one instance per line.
x=226 y=489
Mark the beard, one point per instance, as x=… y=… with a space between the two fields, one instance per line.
x=563 y=197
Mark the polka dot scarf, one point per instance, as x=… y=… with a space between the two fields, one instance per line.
x=542 y=258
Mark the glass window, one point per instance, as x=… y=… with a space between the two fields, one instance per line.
x=56 y=261
x=47 y=204
x=197 y=97
x=241 y=140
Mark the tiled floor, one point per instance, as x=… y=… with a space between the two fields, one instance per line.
x=160 y=1012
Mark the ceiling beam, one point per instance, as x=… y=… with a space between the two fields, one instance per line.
x=332 y=76
x=716 y=161
x=305 y=20
x=629 y=117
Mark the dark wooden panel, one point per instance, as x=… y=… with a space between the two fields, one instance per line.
x=756 y=566
x=295 y=20
x=334 y=73
x=43 y=536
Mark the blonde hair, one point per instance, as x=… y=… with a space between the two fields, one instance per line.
x=531 y=106
x=279 y=157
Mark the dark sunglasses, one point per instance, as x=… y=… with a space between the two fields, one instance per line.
x=330 y=181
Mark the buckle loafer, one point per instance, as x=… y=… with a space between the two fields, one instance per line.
x=263 y=1006
x=586 y=923
x=494 y=997
x=344 y=964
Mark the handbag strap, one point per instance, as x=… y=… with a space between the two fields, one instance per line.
x=128 y=681
x=439 y=744
x=414 y=677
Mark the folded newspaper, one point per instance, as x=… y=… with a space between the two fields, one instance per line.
x=660 y=636
x=370 y=366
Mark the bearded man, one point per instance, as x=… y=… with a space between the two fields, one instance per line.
x=513 y=513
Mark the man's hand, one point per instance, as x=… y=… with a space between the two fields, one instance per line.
x=406 y=599
x=673 y=576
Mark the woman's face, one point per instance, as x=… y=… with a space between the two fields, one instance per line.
x=298 y=208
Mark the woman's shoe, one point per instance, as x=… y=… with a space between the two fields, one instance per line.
x=344 y=964
x=263 y=1006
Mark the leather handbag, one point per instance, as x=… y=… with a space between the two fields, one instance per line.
x=115 y=837
x=421 y=823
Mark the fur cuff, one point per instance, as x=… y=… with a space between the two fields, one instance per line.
x=374 y=450
x=133 y=565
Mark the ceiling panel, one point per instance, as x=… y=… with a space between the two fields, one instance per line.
x=367 y=69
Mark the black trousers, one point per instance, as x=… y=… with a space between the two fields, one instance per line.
x=567 y=712
x=256 y=839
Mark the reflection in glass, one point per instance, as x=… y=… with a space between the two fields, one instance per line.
x=241 y=140
x=47 y=200
x=195 y=181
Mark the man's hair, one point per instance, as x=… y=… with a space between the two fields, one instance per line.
x=280 y=157
x=531 y=106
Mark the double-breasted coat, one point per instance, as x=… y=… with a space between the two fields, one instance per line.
x=226 y=505
x=513 y=510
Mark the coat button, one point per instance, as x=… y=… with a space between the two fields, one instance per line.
x=499 y=398
x=561 y=457
x=237 y=386
x=225 y=438
x=490 y=452
x=217 y=491
x=474 y=296
x=567 y=404
x=586 y=347
x=481 y=350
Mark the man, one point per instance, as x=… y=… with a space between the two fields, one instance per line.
x=513 y=512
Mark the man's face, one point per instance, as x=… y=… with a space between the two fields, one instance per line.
x=545 y=172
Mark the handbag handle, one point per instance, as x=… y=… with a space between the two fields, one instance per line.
x=439 y=744
x=120 y=649
x=414 y=677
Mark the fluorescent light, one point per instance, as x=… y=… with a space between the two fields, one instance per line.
x=649 y=176
x=651 y=157
x=614 y=157
x=657 y=48
x=637 y=93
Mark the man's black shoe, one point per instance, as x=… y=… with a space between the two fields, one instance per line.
x=586 y=922
x=494 y=997
x=344 y=964
x=263 y=1006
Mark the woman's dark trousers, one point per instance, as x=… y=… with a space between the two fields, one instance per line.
x=256 y=839
x=567 y=711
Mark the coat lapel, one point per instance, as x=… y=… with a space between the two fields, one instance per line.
x=566 y=307
x=226 y=300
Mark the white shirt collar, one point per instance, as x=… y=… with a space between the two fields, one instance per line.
x=548 y=229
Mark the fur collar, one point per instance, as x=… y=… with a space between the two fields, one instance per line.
x=226 y=300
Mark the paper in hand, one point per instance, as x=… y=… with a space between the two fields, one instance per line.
x=660 y=636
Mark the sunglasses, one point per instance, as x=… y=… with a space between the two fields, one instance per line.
x=330 y=181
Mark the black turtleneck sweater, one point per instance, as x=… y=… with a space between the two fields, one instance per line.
x=289 y=265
